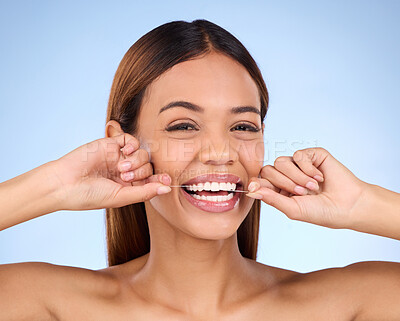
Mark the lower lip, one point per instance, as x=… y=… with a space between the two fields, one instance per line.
x=209 y=206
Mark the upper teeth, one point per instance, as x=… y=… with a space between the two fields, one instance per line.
x=212 y=186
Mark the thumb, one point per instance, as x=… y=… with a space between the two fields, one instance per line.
x=285 y=204
x=139 y=193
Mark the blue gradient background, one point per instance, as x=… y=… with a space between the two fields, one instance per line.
x=331 y=67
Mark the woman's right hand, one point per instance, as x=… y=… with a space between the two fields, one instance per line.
x=91 y=176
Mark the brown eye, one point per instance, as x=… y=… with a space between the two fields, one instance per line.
x=246 y=127
x=181 y=127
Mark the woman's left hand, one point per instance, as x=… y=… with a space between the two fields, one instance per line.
x=332 y=203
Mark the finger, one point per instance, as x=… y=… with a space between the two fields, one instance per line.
x=150 y=177
x=162 y=178
x=262 y=182
x=138 y=174
x=145 y=174
x=265 y=183
x=309 y=160
x=287 y=167
x=255 y=183
x=284 y=193
x=281 y=181
x=134 y=161
x=127 y=143
x=128 y=149
x=134 y=194
x=285 y=204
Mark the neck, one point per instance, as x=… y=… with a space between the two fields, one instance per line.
x=196 y=274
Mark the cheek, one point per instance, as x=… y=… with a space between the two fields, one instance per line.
x=251 y=155
x=171 y=157
x=259 y=156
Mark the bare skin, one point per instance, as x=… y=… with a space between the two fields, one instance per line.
x=194 y=270
x=109 y=294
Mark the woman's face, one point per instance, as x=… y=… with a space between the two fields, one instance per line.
x=187 y=143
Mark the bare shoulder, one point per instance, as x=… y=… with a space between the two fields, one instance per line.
x=310 y=296
x=375 y=286
x=20 y=285
x=48 y=291
x=359 y=292
x=89 y=293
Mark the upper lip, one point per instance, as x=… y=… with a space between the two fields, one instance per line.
x=214 y=177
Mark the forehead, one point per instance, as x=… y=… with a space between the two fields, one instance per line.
x=214 y=80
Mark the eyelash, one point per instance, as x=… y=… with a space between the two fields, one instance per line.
x=175 y=127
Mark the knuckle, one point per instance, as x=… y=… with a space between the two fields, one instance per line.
x=266 y=169
x=298 y=155
x=132 y=140
x=139 y=173
x=307 y=154
x=293 y=215
x=143 y=155
x=310 y=152
x=143 y=171
x=323 y=151
x=280 y=160
x=139 y=158
x=144 y=196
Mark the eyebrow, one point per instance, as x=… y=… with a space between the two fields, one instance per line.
x=196 y=108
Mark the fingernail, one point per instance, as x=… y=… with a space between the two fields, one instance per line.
x=166 y=179
x=253 y=186
x=319 y=178
x=312 y=186
x=254 y=195
x=125 y=166
x=300 y=190
x=163 y=190
x=128 y=176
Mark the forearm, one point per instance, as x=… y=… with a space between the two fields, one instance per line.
x=29 y=195
x=379 y=213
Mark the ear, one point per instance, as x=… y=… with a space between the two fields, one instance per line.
x=113 y=128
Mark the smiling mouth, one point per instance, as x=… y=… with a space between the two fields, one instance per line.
x=205 y=192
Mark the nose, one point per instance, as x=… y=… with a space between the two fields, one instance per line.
x=217 y=151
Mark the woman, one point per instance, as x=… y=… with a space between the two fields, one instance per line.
x=184 y=137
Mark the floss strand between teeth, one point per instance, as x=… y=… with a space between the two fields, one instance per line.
x=189 y=185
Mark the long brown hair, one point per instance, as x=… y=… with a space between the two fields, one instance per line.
x=154 y=53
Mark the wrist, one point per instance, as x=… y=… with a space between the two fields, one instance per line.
x=54 y=185
x=27 y=196
x=378 y=212
x=362 y=207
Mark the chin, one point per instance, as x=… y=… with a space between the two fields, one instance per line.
x=210 y=225
x=211 y=236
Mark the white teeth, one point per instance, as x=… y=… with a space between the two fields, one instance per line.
x=212 y=186
x=217 y=198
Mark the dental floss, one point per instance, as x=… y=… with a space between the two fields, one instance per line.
x=189 y=185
